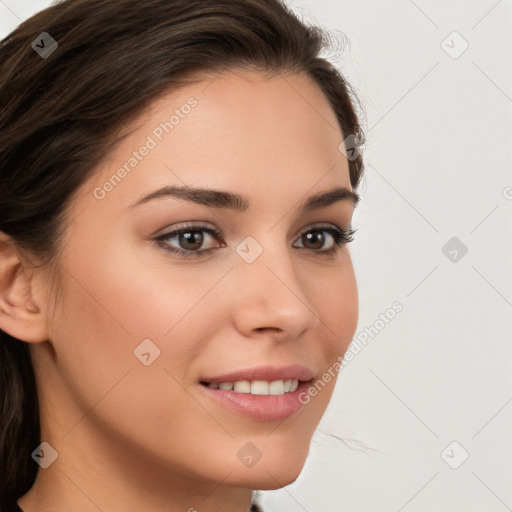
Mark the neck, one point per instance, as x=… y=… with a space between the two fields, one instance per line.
x=119 y=479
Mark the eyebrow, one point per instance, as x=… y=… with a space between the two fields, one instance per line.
x=222 y=199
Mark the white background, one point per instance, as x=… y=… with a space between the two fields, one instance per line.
x=438 y=164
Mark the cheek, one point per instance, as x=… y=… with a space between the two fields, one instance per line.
x=97 y=327
x=114 y=300
x=135 y=292
x=334 y=296
x=336 y=300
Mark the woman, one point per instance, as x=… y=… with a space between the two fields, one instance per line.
x=177 y=182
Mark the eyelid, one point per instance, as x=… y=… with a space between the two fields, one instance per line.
x=190 y=225
x=320 y=225
x=193 y=225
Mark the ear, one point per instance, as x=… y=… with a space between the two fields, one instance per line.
x=20 y=314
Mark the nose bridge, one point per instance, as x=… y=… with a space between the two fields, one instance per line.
x=270 y=293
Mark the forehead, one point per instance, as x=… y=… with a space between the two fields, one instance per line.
x=242 y=130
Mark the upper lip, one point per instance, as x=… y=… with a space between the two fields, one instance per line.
x=269 y=373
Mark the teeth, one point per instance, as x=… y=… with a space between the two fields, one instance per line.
x=276 y=388
x=258 y=387
x=242 y=386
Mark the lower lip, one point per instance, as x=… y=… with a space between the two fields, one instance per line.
x=260 y=407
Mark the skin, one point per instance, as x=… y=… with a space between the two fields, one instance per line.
x=132 y=437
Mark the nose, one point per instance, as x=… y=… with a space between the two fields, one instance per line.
x=271 y=296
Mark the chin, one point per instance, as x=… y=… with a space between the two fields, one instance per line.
x=268 y=476
x=270 y=481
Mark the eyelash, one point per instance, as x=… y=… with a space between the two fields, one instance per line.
x=341 y=237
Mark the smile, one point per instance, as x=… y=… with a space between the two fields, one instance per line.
x=257 y=387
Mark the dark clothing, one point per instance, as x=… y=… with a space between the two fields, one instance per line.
x=254 y=508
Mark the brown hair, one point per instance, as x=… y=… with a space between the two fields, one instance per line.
x=60 y=116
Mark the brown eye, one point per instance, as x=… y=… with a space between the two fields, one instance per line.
x=188 y=241
x=313 y=240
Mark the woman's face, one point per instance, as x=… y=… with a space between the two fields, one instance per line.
x=139 y=328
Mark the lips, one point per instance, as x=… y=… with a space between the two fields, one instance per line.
x=285 y=385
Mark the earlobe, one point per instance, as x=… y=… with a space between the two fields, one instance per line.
x=20 y=314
